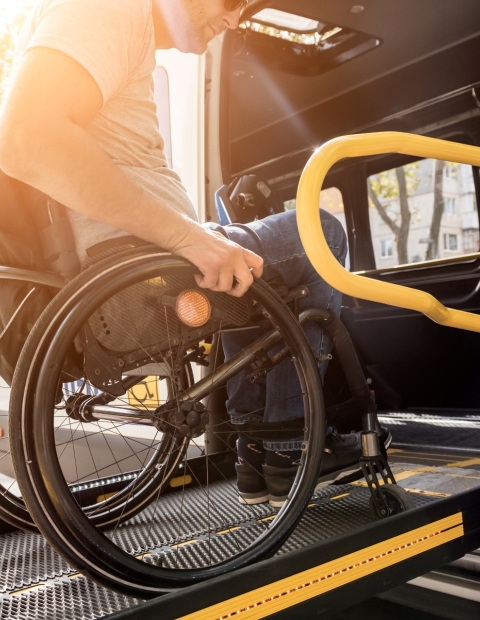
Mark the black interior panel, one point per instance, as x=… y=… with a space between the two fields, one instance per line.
x=427 y=51
x=423 y=78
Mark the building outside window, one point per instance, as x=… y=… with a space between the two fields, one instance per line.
x=442 y=219
x=386 y=248
x=450 y=172
x=450 y=242
x=450 y=205
x=470 y=240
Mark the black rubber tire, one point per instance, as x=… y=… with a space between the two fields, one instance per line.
x=46 y=494
x=397 y=499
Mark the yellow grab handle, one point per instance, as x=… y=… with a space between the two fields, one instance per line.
x=313 y=239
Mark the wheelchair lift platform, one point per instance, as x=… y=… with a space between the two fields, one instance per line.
x=337 y=556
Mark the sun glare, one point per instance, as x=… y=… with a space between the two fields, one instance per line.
x=12 y=16
x=10 y=8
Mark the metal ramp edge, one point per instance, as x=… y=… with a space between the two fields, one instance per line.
x=353 y=568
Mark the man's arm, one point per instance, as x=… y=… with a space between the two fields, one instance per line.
x=43 y=143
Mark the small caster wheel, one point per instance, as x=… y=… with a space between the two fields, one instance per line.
x=397 y=500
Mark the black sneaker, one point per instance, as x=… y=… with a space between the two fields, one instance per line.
x=342 y=455
x=251 y=485
x=385 y=436
x=341 y=451
x=274 y=483
x=279 y=481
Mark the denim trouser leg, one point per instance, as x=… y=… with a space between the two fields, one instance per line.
x=278 y=396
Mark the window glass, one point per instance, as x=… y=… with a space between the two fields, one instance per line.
x=331 y=200
x=386 y=248
x=450 y=205
x=450 y=242
x=162 y=100
x=423 y=211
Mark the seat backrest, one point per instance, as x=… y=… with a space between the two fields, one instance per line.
x=245 y=199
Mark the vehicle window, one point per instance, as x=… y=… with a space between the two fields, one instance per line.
x=162 y=99
x=423 y=211
x=331 y=200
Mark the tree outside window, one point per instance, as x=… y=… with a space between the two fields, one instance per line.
x=411 y=201
x=395 y=185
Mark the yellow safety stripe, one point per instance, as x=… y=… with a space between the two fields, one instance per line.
x=284 y=593
x=313 y=239
x=463 y=464
x=363 y=483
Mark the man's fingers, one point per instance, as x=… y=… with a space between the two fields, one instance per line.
x=243 y=279
x=224 y=265
x=226 y=281
x=207 y=280
x=235 y=284
x=219 y=281
x=254 y=261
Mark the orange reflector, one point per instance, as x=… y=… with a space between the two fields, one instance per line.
x=193 y=308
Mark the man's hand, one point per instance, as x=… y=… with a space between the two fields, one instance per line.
x=225 y=266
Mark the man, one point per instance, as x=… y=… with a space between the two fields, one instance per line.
x=80 y=124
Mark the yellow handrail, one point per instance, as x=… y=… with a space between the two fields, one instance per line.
x=313 y=239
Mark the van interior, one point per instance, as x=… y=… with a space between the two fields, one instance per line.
x=379 y=66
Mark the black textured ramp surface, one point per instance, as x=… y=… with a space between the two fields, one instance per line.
x=68 y=599
x=36 y=583
x=150 y=530
x=27 y=559
x=333 y=511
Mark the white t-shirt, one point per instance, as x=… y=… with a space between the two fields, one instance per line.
x=114 y=41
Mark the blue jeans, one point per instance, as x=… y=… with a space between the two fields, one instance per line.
x=278 y=396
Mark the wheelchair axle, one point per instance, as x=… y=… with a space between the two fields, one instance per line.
x=188 y=419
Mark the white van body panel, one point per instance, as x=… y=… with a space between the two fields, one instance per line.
x=182 y=121
x=213 y=169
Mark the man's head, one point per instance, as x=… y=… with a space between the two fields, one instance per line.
x=189 y=25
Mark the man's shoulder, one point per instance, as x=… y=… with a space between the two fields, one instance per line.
x=130 y=18
x=109 y=38
x=134 y=8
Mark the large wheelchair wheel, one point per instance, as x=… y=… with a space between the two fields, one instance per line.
x=175 y=518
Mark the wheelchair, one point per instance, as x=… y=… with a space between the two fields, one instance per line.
x=91 y=459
